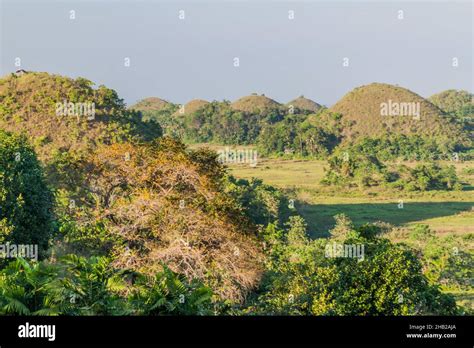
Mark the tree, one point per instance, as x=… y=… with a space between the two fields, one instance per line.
x=25 y=200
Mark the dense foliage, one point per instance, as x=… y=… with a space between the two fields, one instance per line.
x=385 y=279
x=355 y=168
x=80 y=286
x=25 y=200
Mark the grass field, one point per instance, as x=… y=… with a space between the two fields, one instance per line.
x=443 y=211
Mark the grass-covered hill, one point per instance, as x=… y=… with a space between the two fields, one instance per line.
x=304 y=104
x=255 y=103
x=362 y=107
x=460 y=105
x=151 y=104
x=29 y=105
x=385 y=119
x=191 y=107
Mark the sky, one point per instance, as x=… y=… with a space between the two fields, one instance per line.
x=182 y=59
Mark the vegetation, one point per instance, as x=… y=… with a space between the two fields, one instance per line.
x=131 y=222
x=79 y=286
x=353 y=167
x=29 y=106
x=25 y=200
x=385 y=279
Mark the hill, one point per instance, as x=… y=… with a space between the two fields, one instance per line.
x=379 y=109
x=151 y=104
x=453 y=101
x=255 y=103
x=191 y=107
x=304 y=104
x=59 y=113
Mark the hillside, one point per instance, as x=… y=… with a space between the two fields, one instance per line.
x=304 y=104
x=255 y=103
x=362 y=108
x=38 y=105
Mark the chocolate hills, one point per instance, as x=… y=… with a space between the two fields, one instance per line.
x=191 y=107
x=379 y=109
x=151 y=104
x=304 y=104
x=255 y=103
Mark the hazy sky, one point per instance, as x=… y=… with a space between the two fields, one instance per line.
x=192 y=58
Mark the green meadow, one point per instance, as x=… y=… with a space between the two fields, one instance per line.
x=443 y=211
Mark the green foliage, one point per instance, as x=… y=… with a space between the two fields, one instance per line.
x=217 y=122
x=263 y=204
x=457 y=103
x=299 y=134
x=170 y=293
x=351 y=167
x=303 y=280
x=79 y=286
x=447 y=259
x=406 y=147
x=296 y=231
x=354 y=167
x=423 y=177
x=25 y=200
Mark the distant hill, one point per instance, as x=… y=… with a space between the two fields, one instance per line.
x=29 y=105
x=365 y=109
x=255 y=103
x=304 y=104
x=151 y=104
x=191 y=107
x=456 y=102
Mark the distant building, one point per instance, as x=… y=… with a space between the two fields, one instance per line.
x=20 y=72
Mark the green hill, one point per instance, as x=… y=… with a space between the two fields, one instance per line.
x=454 y=101
x=151 y=104
x=59 y=113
